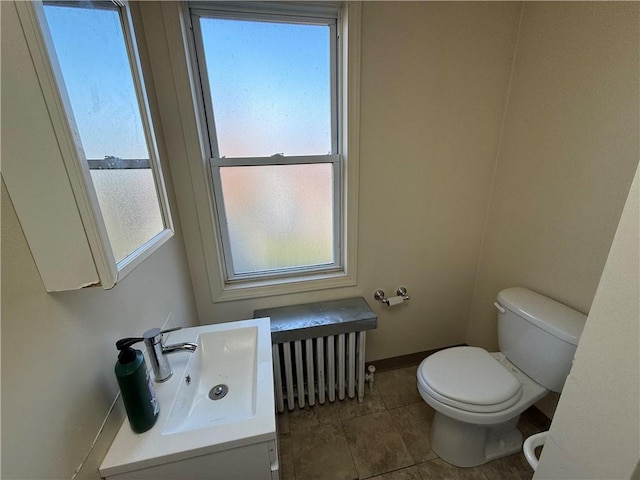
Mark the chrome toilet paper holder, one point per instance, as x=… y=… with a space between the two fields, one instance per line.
x=401 y=293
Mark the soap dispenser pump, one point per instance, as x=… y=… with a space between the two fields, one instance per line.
x=138 y=394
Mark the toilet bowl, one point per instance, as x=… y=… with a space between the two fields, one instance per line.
x=478 y=396
x=475 y=424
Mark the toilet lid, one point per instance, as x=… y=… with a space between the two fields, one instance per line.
x=469 y=378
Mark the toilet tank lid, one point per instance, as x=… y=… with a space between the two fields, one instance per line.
x=554 y=317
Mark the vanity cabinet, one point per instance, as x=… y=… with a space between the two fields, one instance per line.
x=252 y=462
x=196 y=436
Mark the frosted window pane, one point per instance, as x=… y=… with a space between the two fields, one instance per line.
x=129 y=205
x=270 y=87
x=279 y=216
x=92 y=54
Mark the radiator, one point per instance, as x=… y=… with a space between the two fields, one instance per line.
x=319 y=369
x=318 y=350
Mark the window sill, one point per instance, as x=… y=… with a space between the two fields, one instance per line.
x=281 y=286
x=130 y=262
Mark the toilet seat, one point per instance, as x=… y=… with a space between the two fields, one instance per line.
x=470 y=379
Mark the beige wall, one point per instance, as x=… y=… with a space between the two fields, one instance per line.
x=434 y=81
x=595 y=431
x=569 y=150
x=435 y=78
x=58 y=350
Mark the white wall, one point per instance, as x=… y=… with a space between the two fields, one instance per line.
x=596 y=430
x=58 y=350
x=434 y=81
x=568 y=155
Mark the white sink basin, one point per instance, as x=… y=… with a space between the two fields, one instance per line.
x=191 y=425
x=226 y=360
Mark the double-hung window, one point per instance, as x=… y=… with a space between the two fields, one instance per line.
x=271 y=84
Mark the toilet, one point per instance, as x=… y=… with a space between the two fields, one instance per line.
x=478 y=396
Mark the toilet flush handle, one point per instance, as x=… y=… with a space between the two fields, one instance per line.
x=500 y=308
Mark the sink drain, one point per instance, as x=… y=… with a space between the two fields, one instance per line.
x=218 y=392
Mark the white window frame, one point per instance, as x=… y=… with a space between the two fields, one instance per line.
x=302 y=14
x=55 y=95
x=181 y=103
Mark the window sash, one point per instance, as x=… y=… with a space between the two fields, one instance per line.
x=335 y=160
x=217 y=11
x=328 y=15
x=274 y=160
x=101 y=4
x=125 y=265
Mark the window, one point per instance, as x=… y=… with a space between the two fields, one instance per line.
x=270 y=77
x=92 y=49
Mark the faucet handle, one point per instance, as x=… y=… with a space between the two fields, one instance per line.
x=155 y=334
x=155 y=350
x=171 y=329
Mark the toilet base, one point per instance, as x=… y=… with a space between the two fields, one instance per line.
x=468 y=445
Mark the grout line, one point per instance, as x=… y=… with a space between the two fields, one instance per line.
x=395 y=424
x=337 y=405
x=293 y=457
x=344 y=434
x=480 y=469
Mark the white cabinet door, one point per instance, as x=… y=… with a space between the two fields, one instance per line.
x=243 y=463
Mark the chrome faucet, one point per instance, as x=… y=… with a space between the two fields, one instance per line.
x=157 y=352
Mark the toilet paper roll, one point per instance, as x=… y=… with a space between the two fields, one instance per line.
x=395 y=300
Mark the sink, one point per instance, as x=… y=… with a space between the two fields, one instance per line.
x=226 y=360
x=191 y=426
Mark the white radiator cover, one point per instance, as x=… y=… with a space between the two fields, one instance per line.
x=318 y=369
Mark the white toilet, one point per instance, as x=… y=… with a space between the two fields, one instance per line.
x=478 y=396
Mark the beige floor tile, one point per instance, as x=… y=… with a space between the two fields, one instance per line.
x=440 y=470
x=398 y=387
x=513 y=467
x=321 y=453
x=414 y=424
x=384 y=438
x=409 y=473
x=373 y=403
x=285 y=457
x=376 y=444
x=284 y=444
x=326 y=414
x=528 y=425
x=287 y=471
x=282 y=422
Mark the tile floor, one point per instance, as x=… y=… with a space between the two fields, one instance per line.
x=384 y=438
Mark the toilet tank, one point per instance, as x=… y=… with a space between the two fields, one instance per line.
x=538 y=335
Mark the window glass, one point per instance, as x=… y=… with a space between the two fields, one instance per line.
x=92 y=54
x=270 y=104
x=279 y=216
x=270 y=87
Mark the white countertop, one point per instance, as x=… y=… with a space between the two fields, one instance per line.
x=131 y=451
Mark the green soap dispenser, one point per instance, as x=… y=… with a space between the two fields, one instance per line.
x=138 y=394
